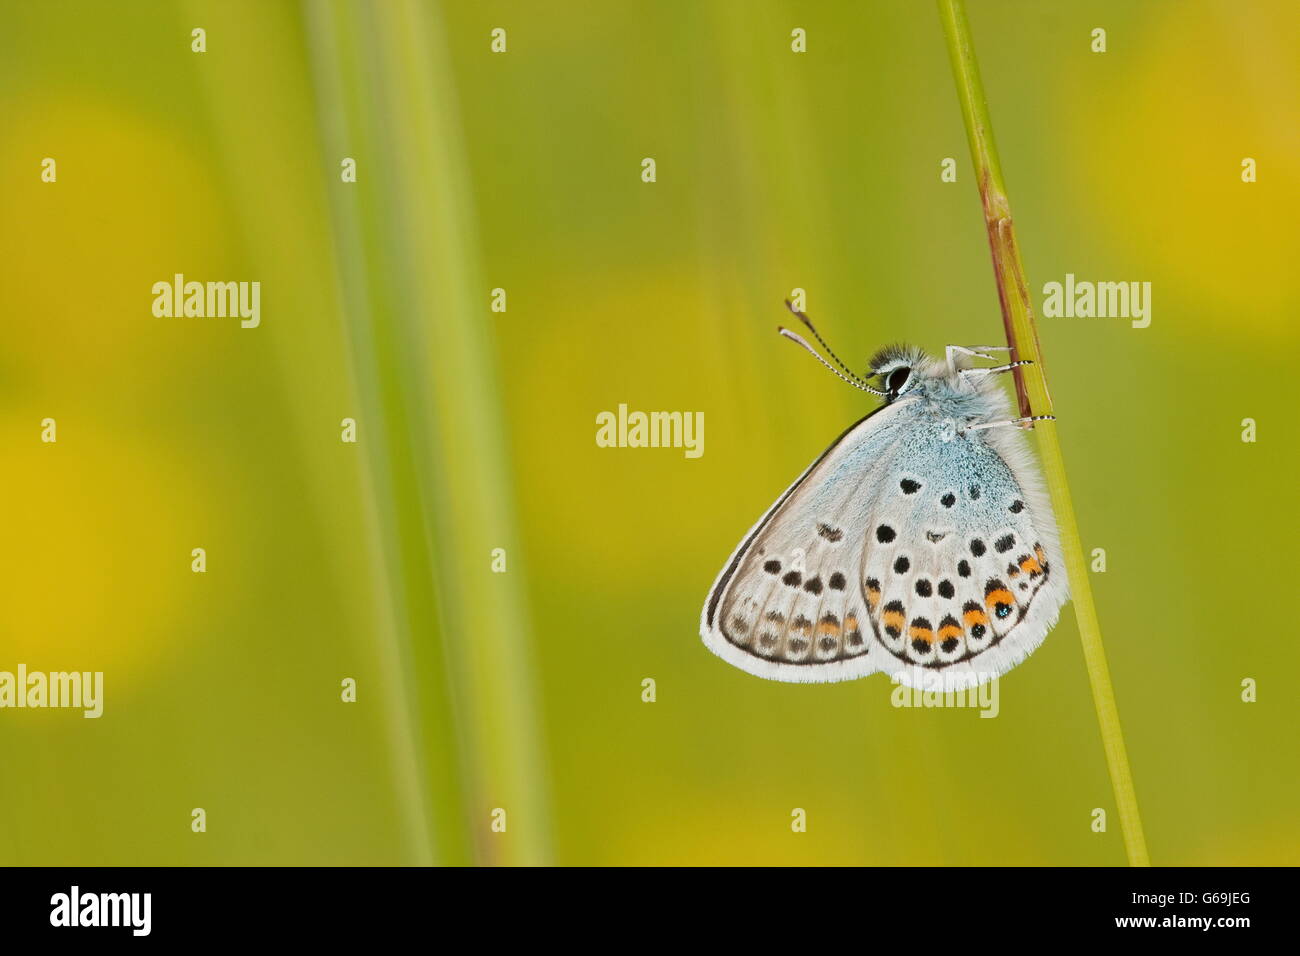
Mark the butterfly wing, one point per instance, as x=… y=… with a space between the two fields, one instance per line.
x=904 y=548
x=971 y=582
x=790 y=603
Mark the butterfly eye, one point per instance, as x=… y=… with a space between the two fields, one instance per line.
x=897 y=380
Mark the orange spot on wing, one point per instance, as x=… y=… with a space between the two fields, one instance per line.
x=894 y=619
x=1031 y=567
x=952 y=630
x=922 y=633
x=1000 y=596
x=975 y=616
x=829 y=627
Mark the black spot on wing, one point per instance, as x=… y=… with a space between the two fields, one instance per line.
x=830 y=534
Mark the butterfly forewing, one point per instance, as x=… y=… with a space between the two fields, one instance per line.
x=790 y=604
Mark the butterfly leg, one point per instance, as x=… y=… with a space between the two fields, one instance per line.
x=1019 y=422
x=979 y=351
x=996 y=368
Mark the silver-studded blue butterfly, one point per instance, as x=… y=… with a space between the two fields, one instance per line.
x=920 y=544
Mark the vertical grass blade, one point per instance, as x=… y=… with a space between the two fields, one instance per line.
x=419 y=318
x=378 y=338
x=1034 y=399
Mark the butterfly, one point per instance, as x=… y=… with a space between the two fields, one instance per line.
x=921 y=543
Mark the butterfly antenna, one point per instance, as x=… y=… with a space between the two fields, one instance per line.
x=808 y=322
x=815 y=354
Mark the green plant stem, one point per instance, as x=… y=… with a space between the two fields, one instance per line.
x=1034 y=399
x=416 y=312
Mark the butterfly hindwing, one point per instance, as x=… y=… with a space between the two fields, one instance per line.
x=967 y=556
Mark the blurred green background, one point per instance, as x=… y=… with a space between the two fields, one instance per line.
x=521 y=170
